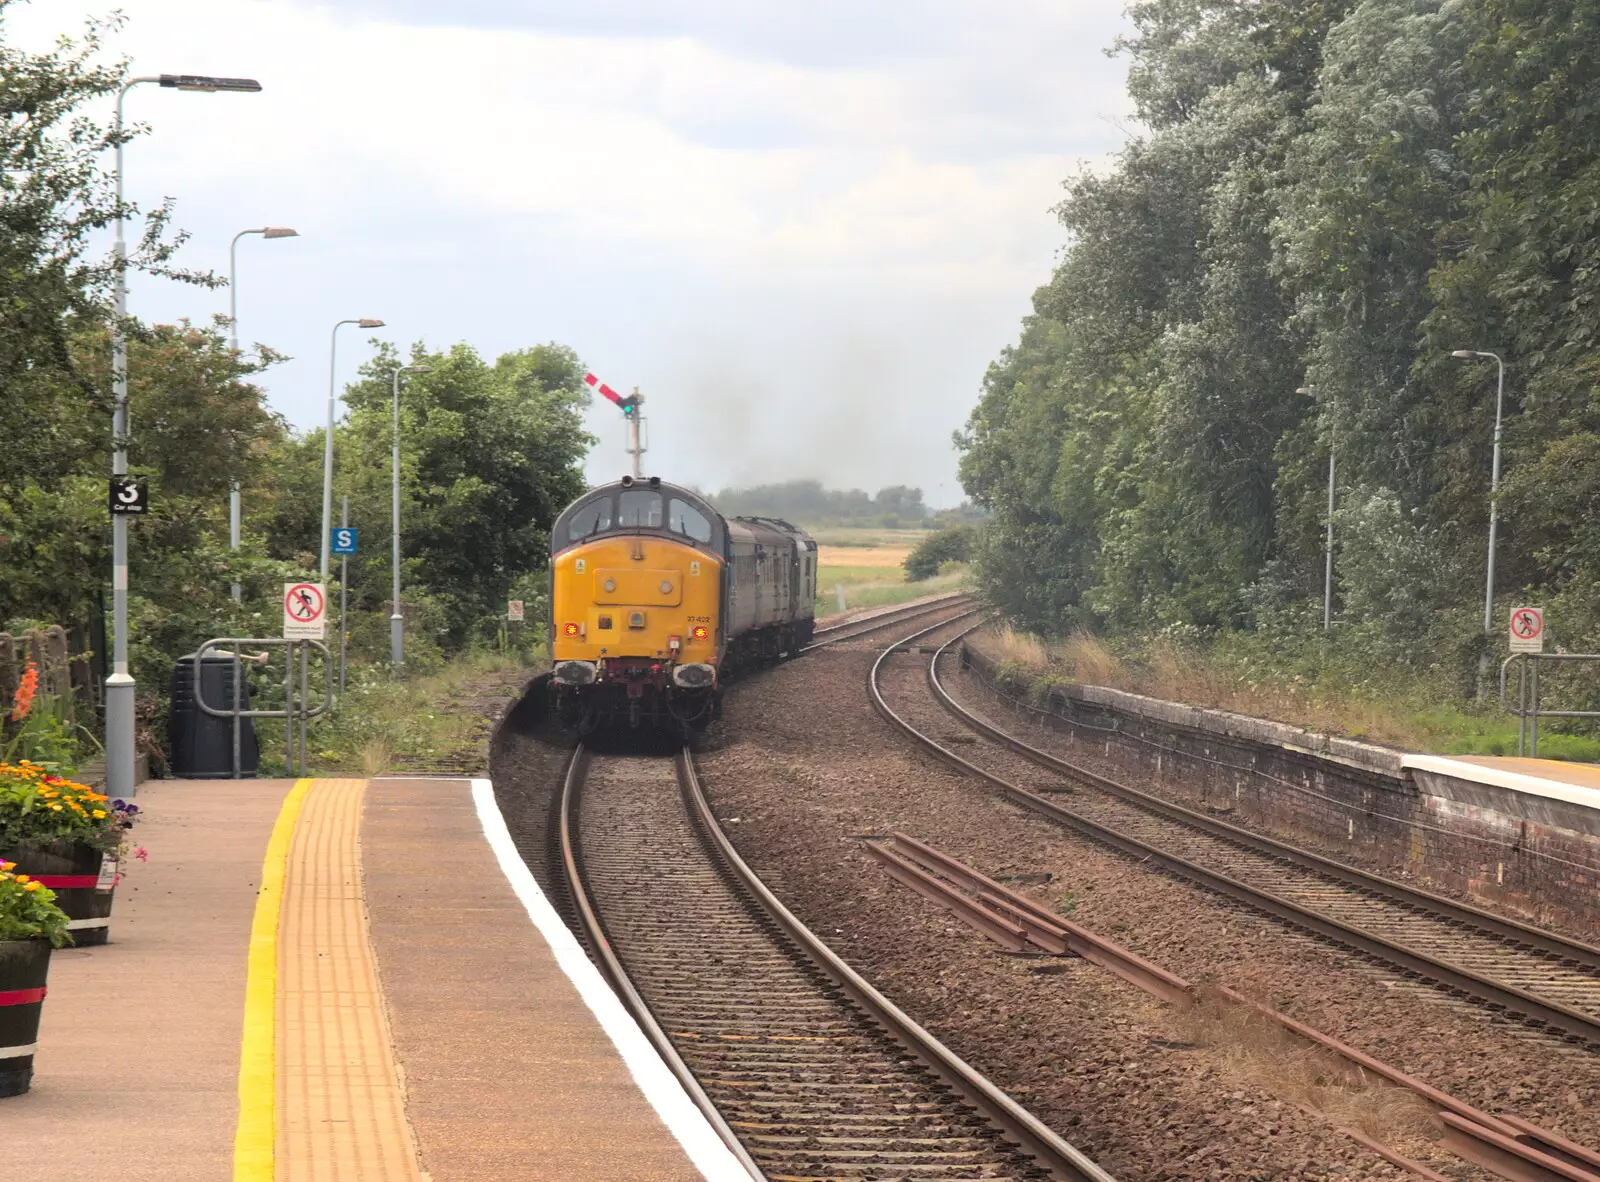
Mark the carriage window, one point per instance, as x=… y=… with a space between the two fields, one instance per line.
x=684 y=518
x=590 y=519
x=639 y=508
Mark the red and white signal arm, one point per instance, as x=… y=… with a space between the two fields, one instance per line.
x=1527 y=630
x=305 y=611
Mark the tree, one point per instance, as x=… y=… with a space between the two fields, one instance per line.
x=490 y=455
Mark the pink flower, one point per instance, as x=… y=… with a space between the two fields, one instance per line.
x=141 y=853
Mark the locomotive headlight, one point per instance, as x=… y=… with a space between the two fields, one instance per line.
x=699 y=632
x=570 y=629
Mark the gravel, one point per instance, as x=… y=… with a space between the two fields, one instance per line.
x=807 y=768
x=802 y=768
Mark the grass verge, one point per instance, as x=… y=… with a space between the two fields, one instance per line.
x=878 y=587
x=436 y=721
x=1412 y=717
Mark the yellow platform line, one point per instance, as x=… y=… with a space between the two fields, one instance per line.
x=332 y=1097
x=253 y=1139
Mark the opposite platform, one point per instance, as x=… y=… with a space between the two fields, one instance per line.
x=335 y=980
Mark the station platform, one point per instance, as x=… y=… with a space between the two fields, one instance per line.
x=1554 y=779
x=341 y=980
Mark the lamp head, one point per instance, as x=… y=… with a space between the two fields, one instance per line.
x=365 y=323
x=208 y=84
x=419 y=368
x=280 y=232
x=1464 y=354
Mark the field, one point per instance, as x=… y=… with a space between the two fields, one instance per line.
x=866 y=563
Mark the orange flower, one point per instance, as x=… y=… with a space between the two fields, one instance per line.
x=26 y=689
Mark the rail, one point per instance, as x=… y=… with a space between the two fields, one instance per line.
x=1009 y=1120
x=851 y=629
x=1514 y=1148
x=1575 y=1024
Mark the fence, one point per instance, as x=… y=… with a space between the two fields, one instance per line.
x=1529 y=708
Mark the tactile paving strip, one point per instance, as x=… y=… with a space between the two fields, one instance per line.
x=341 y=1109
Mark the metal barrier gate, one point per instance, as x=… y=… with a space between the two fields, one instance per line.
x=1527 y=709
x=297 y=706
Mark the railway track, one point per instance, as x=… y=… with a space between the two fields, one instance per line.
x=800 y=1064
x=1536 y=976
x=850 y=629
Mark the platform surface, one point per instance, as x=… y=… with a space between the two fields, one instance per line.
x=1576 y=783
x=415 y=1025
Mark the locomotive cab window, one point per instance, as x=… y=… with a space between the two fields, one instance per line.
x=589 y=519
x=683 y=518
x=639 y=508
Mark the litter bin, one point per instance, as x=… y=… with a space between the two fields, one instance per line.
x=202 y=744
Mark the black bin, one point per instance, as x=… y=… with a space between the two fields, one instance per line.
x=202 y=744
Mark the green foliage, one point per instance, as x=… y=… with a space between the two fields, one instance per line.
x=491 y=451
x=28 y=911
x=38 y=806
x=957 y=543
x=1332 y=195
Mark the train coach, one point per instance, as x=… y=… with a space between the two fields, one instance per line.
x=655 y=598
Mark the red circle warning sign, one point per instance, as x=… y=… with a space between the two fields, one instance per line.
x=303 y=603
x=1527 y=629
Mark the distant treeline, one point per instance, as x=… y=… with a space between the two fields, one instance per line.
x=808 y=502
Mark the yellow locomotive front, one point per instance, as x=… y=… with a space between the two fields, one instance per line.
x=636 y=606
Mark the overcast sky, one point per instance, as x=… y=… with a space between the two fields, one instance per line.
x=802 y=230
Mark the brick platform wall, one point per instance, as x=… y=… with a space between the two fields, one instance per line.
x=1530 y=855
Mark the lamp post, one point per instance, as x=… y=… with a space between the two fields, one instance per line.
x=233 y=269
x=233 y=344
x=1327 y=566
x=397 y=626
x=1494 y=477
x=327 y=446
x=120 y=684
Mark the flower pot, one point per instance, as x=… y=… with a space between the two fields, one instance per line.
x=23 y=967
x=75 y=872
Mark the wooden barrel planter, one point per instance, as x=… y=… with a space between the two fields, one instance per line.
x=83 y=879
x=24 y=964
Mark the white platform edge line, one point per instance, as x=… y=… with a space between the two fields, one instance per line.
x=654 y=1078
x=1477 y=773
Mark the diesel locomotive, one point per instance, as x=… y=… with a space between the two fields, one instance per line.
x=656 y=598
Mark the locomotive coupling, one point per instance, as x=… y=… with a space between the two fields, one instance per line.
x=576 y=672
x=694 y=676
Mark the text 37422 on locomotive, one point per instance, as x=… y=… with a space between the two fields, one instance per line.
x=656 y=598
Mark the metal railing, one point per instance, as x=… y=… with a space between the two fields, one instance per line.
x=1527 y=708
x=297 y=704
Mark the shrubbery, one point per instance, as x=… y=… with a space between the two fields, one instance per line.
x=956 y=543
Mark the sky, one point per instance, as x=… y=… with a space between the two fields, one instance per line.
x=803 y=231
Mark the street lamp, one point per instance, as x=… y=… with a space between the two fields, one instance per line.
x=397 y=628
x=1327 y=568
x=1494 y=477
x=120 y=685
x=233 y=266
x=233 y=344
x=327 y=446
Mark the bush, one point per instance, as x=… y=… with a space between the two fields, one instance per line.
x=955 y=544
